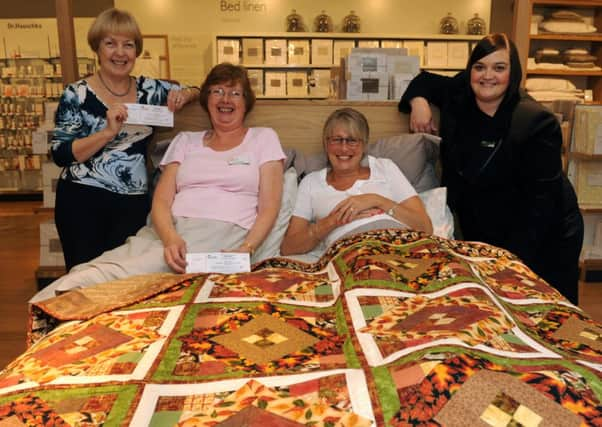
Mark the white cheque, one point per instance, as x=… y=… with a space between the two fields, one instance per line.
x=218 y=262
x=151 y=115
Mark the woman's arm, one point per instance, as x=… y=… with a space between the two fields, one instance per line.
x=271 y=176
x=174 y=246
x=302 y=236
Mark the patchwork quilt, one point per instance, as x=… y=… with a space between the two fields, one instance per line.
x=389 y=328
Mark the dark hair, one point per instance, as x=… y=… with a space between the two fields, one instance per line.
x=226 y=73
x=114 y=21
x=490 y=44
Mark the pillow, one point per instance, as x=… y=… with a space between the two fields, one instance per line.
x=541 y=83
x=435 y=202
x=415 y=154
x=271 y=245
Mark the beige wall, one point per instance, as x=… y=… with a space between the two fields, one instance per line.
x=190 y=24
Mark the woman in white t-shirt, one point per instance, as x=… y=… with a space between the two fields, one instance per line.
x=353 y=193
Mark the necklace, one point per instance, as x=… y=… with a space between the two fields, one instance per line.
x=119 y=95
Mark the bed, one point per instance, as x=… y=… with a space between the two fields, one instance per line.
x=388 y=327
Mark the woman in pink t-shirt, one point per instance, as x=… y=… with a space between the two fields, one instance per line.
x=230 y=173
x=220 y=190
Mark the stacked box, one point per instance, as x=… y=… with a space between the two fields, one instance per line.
x=298 y=52
x=588 y=182
x=392 y=44
x=367 y=61
x=51 y=252
x=256 y=80
x=275 y=83
x=320 y=83
x=321 y=52
x=415 y=48
x=587 y=134
x=457 y=54
x=341 y=48
x=399 y=84
x=252 y=51
x=50 y=177
x=403 y=64
x=436 y=54
x=296 y=83
x=228 y=50
x=368 y=43
x=368 y=87
x=275 y=52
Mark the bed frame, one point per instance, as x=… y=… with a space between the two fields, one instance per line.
x=298 y=122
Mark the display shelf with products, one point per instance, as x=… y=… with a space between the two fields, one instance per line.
x=562 y=40
x=26 y=87
x=585 y=173
x=303 y=64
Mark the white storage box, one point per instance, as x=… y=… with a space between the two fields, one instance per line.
x=252 y=51
x=436 y=54
x=402 y=64
x=392 y=44
x=457 y=54
x=368 y=87
x=367 y=61
x=275 y=52
x=588 y=182
x=368 y=43
x=51 y=251
x=341 y=48
x=296 y=83
x=399 y=84
x=256 y=80
x=50 y=177
x=275 y=83
x=587 y=137
x=228 y=50
x=415 y=48
x=321 y=52
x=298 y=52
x=320 y=83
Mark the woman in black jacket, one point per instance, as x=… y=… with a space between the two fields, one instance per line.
x=501 y=163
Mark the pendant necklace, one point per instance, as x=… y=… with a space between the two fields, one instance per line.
x=119 y=95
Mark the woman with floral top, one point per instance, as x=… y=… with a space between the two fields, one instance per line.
x=101 y=196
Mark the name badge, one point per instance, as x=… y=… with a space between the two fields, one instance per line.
x=241 y=160
x=488 y=144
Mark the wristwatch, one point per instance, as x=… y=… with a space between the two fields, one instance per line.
x=391 y=212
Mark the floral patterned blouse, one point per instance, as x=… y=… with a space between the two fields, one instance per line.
x=120 y=166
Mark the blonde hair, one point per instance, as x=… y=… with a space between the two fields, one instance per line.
x=114 y=21
x=354 y=122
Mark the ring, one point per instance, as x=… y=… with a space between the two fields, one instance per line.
x=351 y=209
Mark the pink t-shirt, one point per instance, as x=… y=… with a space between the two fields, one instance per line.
x=221 y=185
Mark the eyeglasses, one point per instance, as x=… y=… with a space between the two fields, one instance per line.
x=338 y=140
x=219 y=92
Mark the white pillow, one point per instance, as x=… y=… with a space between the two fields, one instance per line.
x=568 y=27
x=541 y=83
x=271 y=245
x=435 y=202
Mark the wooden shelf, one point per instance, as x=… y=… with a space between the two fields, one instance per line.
x=567 y=3
x=567 y=73
x=590 y=209
x=584 y=37
x=584 y=156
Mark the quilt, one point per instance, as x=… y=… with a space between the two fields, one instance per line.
x=388 y=328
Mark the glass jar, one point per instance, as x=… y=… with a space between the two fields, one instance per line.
x=448 y=24
x=294 y=22
x=351 y=23
x=476 y=26
x=323 y=23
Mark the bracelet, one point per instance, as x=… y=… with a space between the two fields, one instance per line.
x=249 y=247
x=391 y=212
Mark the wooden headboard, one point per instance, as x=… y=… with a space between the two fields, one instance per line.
x=298 y=122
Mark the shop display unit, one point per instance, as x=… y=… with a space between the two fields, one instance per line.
x=529 y=39
x=585 y=172
x=303 y=65
x=26 y=85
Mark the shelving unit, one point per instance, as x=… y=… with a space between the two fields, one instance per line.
x=26 y=85
x=317 y=75
x=528 y=42
x=585 y=172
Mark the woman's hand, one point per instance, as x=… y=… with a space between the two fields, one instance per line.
x=174 y=252
x=355 y=207
x=177 y=98
x=421 y=117
x=117 y=114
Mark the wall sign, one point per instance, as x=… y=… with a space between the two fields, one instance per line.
x=248 y=6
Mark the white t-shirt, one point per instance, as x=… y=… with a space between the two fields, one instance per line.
x=221 y=185
x=316 y=198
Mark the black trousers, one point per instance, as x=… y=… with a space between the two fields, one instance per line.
x=92 y=220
